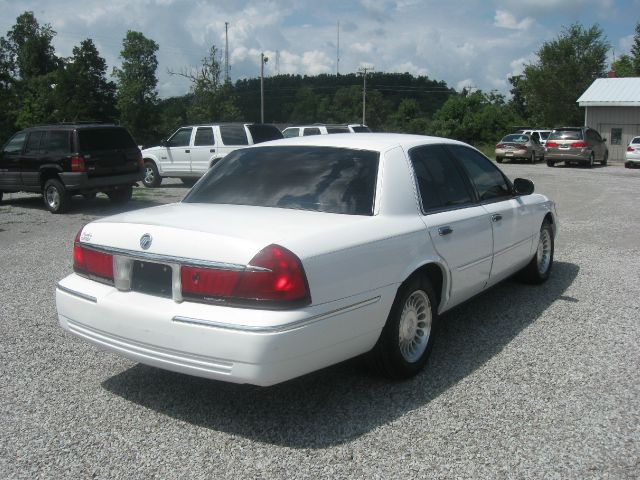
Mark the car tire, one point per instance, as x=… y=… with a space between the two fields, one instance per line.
x=151 y=177
x=121 y=195
x=592 y=158
x=539 y=268
x=499 y=159
x=550 y=163
x=406 y=340
x=1 y=196
x=533 y=157
x=56 y=197
x=605 y=158
x=89 y=196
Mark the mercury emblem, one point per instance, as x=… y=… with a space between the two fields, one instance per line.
x=145 y=241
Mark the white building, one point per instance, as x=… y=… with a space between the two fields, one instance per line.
x=612 y=106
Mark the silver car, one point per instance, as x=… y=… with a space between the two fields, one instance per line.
x=576 y=145
x=519 y=145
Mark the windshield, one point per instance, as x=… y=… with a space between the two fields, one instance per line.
x=323 y=179
x=516 y=138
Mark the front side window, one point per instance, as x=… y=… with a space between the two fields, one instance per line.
x=322 y=179
x=233 y=135
x=16 y=143
x=440 y=183
x=181 y=138
x=489 y=182
x=204 y=136
x=291 y=132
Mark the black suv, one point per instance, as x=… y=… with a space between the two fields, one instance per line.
x=71 y=159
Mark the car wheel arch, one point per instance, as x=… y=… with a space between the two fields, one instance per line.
x=435 y=272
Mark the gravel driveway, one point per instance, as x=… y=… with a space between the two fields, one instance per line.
x=524 y=382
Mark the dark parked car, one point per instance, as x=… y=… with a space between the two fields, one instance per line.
x=576 y=145
x=71 y=159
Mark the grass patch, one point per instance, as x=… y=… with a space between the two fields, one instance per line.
x=489 y=149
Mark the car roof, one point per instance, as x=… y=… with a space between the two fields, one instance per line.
x=70 y=126
x=363 y=141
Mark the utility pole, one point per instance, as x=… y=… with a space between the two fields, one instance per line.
x=263 y=60
x=226 y=52
x=363 y=71
x=338 y=52
x=277 y=62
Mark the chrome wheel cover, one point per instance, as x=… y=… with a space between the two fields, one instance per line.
x=52 y=196
x=415 y=326
x=544 y=251
x=149 y=177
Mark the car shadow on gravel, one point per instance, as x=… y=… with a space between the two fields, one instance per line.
x=343 y=402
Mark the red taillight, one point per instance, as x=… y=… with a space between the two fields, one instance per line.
x=579 y=145
x=499 y=145
x=551 y=144
x=77 y=164
x=274 y=278
x=631 y=149
x=91 y=263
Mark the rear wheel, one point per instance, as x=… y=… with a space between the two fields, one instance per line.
x=533 y=157
x=591 y=160
x=89 y=196
x=1 y=196
x=151 y=176
x=499 y=159
x=550 y=163
x=407 y=338
x=539 y=268
x=605 y=158
x=121 y=195
x=56 y=197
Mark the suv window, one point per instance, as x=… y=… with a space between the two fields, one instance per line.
x=311 y=131
x=94 y=139
x=204 y=136
x=291 y=132
x=233 y=135
x=490 y=183
x=338 y=130
x=16 y=143
x=180 y=139
x=323 y=179
x=57 y=141
x=263 y=133
x=33 y=142
x=440 y=183
x=360 y=129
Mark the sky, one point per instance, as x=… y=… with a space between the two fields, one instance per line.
x=466 y=43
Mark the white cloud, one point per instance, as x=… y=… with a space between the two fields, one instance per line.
x=504 y=19
x=466 y=83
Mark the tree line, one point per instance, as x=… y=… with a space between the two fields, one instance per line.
x=37 y=86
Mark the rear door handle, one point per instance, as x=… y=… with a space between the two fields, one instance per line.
x=187 y=151
x=496 y=218
x=445 y=230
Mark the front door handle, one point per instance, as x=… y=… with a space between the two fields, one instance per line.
x=442 y=231
x=496 y=218
x=212 y=150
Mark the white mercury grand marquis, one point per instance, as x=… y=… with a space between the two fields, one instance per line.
x=296 y=254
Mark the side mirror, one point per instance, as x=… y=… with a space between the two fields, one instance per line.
x=522 y=186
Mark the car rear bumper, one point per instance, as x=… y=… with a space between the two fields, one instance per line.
x=567 y=156
x=223 y=343
x=83 y=182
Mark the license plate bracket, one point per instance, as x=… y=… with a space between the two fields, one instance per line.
x=152 y=278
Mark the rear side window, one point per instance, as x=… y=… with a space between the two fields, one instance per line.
x=489 y=182
x=204 y=136
x=323 y=179
x=16 y=143
x=337 y=130
x=440 y=183
x=361 y=129
x=33 y=142
x=233 y=135
x=93 y=139
x=566 y=135
x=57 y=141
x=311 y=131
x=264 y=133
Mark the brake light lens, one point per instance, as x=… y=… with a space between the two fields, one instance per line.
x=579 y=145
x=551 y=144
x=91 y=263
x=500 y=145
x=274 y=278
x=631 y=149
x=77 y=164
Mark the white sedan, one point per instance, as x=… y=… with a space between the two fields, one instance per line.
x=300 y=253
x=632 y=154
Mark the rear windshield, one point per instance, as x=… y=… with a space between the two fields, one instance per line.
x=264 y=133
x=322 y=179
x=516 y=138
x=105 y=139
x=635 y=140
x=565 y=135
x=361 y=129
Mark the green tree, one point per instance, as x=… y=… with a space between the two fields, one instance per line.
x=623 y=66
x=407 y=119
x=564 y=70
x=136 y=81
x=474 y=118
x=82 y=91
x=635 y=50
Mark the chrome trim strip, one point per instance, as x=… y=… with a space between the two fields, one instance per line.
x=511 y=247
x=275 y=328
x=84 y=296
x=159 y=258
x=474 y=263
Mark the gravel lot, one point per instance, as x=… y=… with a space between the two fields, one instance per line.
x=524 y=382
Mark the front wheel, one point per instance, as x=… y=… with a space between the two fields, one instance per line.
x=550 y=163
x=56 y=197
x=407 y=338
x=605 y=158
x=151 y=176
x=533 y=157
x=539 y=268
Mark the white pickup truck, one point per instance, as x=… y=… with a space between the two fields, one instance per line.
x=192 y=150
